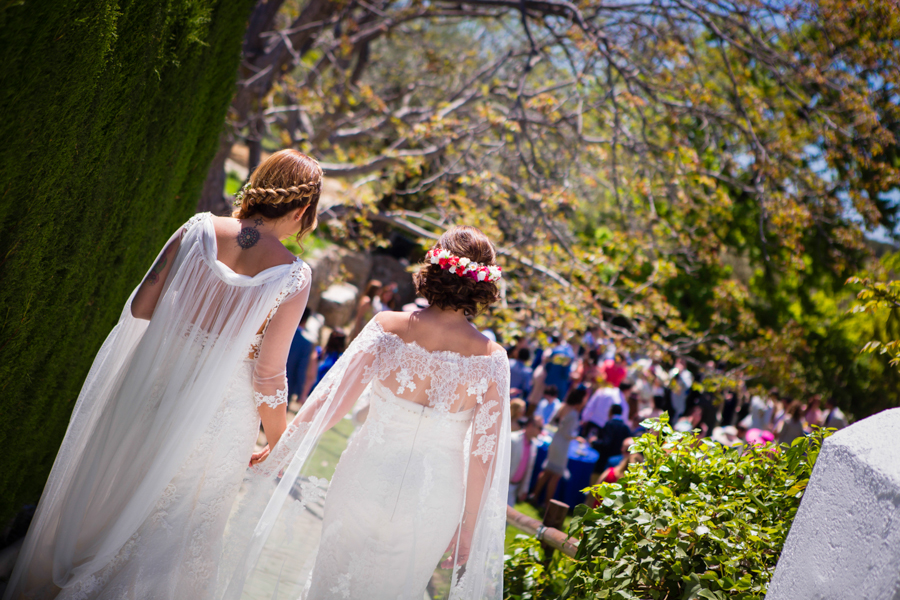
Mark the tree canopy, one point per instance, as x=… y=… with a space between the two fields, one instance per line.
x=695 y=178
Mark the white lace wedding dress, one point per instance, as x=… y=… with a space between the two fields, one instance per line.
x=177 y=399
x=431 y=460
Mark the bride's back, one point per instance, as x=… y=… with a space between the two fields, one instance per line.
x=246 y=258
x=435 y=332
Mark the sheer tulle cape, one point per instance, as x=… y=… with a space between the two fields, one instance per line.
x=150 y=394
x=272 y=555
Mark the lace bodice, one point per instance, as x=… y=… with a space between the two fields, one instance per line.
x=445 y=381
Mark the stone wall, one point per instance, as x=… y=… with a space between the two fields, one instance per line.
x=845 y=539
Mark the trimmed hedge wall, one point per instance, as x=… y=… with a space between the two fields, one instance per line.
x=110 y=112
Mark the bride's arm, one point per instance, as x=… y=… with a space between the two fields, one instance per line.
x=269 y=374
x=332 y=398
x=486 y=438
x=344 y=383
x=144 y=302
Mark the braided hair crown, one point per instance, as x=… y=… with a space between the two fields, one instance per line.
x=286 y=180
x=278 y=195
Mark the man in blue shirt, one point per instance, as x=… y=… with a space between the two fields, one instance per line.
x=298 y=361
x=559 y=366
x=520 y=374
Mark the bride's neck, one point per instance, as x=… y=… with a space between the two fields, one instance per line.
x=446 y=315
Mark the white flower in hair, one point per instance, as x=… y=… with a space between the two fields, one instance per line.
x=482 y=275
x=464 y=262
x=494 y=272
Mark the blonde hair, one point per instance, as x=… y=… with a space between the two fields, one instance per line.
x=287 y=180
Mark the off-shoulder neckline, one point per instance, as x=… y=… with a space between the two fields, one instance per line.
x=442 y=353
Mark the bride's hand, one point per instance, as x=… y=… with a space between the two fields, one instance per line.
x=260 y=456
x=458 y=555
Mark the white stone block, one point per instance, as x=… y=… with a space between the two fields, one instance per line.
x=338 y=303
x=845 y=541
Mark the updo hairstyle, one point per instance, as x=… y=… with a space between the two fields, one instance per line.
x=283 y=182
x=451 y=292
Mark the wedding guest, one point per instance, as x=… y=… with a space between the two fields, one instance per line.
x=791 y=427
x=368 y=306
x=760 y=415
x=337 y=343
x=516 y=412
x=814 y=414
x=520 y=374
x=523 y=450
x=609 y=438
x=691 y=421
x=834 y=416
x=597 y=411
x=559 y=365
x=301 y=364
x=558 y=452
x=654 y=411
x=549 y=404
x=538 y=388
x=680 y=382
x=614 y=473
x=388 y=297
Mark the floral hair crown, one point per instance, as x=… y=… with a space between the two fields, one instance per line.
x=463 y=267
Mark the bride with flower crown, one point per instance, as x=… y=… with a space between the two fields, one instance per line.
x=420 y=489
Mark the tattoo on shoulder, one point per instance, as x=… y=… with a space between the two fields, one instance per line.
x=249 y=235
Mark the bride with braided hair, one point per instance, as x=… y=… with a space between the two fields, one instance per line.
x=165 y=425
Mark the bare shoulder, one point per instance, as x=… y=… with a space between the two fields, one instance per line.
x=392 y=321
x=495 y=347
x=267 y=252
x=476 y=343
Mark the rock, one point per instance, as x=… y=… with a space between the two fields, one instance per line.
x=845 y=539
x=356 y=266
x=324 y=264
x=337 y=304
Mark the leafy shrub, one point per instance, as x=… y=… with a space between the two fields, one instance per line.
x=695 y=520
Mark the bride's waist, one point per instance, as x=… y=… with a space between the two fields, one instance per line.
x=400 y=410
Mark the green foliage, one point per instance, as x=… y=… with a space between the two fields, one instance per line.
x=687 y=188
x=695 y=520
x=881 y=298
x=111 y=113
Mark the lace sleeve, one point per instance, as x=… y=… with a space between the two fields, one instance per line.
x=269 y=375
x=332 y=398
x=492 y=396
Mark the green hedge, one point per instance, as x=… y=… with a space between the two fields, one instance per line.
x=110 y=112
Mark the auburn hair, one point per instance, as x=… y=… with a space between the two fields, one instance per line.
x=451 y=292
x=286 y=180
